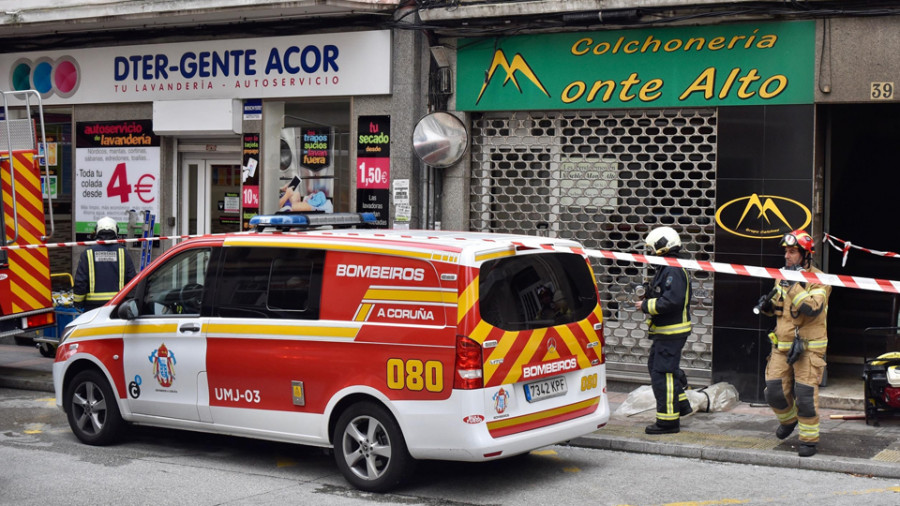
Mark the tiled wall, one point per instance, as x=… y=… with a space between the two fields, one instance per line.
x=767 y=150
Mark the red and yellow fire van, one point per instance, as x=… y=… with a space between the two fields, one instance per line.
x=389 y=346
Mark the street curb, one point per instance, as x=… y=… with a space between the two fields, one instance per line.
x=16 y=378
x=739 y=456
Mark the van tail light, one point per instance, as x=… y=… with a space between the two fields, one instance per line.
x=602 y=339
x=469 y=374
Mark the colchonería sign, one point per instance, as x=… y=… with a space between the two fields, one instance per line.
x=741 y=64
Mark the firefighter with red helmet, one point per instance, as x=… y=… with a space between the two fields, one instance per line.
x=103 y=269
x=799 y=340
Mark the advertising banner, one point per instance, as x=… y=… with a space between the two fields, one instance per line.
x=308 y=175
x=327 y=64
x=250 y=179
x=762 y=63
x=117 y=171
x=373 y=167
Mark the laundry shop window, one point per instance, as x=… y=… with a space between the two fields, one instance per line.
x=314 y=145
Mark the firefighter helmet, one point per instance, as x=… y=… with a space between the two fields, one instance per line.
x=662 y=240
x=107 y=226
x=801 y=239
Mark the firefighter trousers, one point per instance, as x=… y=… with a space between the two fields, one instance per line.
x=792 y=390
x=666 y=379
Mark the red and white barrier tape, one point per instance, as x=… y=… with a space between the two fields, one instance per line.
x=878 y=285
x=91 y=243
x=874 y=284
x=830 y=239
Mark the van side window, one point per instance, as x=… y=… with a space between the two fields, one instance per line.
x=268 y=282
x=177 y=286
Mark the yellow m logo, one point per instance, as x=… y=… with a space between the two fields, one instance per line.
x=518 y=65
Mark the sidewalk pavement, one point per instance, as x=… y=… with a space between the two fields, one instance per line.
x=744 y=434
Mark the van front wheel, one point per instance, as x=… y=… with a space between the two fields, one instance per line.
x=369 y=448
x=92 y=410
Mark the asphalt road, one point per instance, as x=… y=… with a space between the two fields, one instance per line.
x=43 y=464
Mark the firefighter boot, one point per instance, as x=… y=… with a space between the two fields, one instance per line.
x=786 y=429
x=806 y=450
x=662 y=428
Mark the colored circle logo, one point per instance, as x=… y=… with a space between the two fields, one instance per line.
x=65 y=77
x=47 y=76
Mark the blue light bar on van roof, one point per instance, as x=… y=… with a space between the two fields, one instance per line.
x=289 y=221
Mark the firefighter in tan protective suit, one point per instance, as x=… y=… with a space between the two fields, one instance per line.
x=797 y=361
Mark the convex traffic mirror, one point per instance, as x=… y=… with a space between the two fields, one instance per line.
x=440 y=139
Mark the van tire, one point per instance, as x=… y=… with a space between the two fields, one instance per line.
x=92 y=409
x=369 y=448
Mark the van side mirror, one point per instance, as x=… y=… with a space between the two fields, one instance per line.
x=128 y=310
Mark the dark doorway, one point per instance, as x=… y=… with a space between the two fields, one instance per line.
x=862 y=206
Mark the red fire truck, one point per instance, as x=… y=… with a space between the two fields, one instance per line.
x=25 y=291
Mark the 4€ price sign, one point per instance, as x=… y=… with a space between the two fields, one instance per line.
x=117 y=170
x=119 y=186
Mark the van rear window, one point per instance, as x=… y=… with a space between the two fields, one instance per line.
x=535 y=291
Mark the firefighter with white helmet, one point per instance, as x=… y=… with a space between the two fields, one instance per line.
x=797 y=361
x=103 y=269
x=667 y=301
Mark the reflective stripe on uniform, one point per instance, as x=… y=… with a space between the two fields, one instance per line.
x=818 y=291
x=789 y=416
x=671 y=329
x=810 y=431
x=786 y=345
x=799 y=298
x=121 y=268
x=100 y=296
x=670 y=413
x=90 y=262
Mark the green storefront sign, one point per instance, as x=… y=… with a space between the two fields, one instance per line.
x=697 y=66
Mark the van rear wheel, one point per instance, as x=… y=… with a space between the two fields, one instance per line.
x=92 y=409
x=369 y=448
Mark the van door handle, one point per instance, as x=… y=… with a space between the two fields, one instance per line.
x=189 y=327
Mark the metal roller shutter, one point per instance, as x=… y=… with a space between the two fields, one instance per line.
x=604 y=178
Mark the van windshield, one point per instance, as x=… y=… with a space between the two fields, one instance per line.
x=535 y=291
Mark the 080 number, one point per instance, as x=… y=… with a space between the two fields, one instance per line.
x=415 y=375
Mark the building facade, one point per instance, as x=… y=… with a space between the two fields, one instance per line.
x=733 y=122
x=198 y=116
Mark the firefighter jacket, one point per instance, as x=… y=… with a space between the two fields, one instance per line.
x=800 y=308
x=668 y=302
x=102 y=271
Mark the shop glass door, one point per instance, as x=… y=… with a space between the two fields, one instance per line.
x=211 y=196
